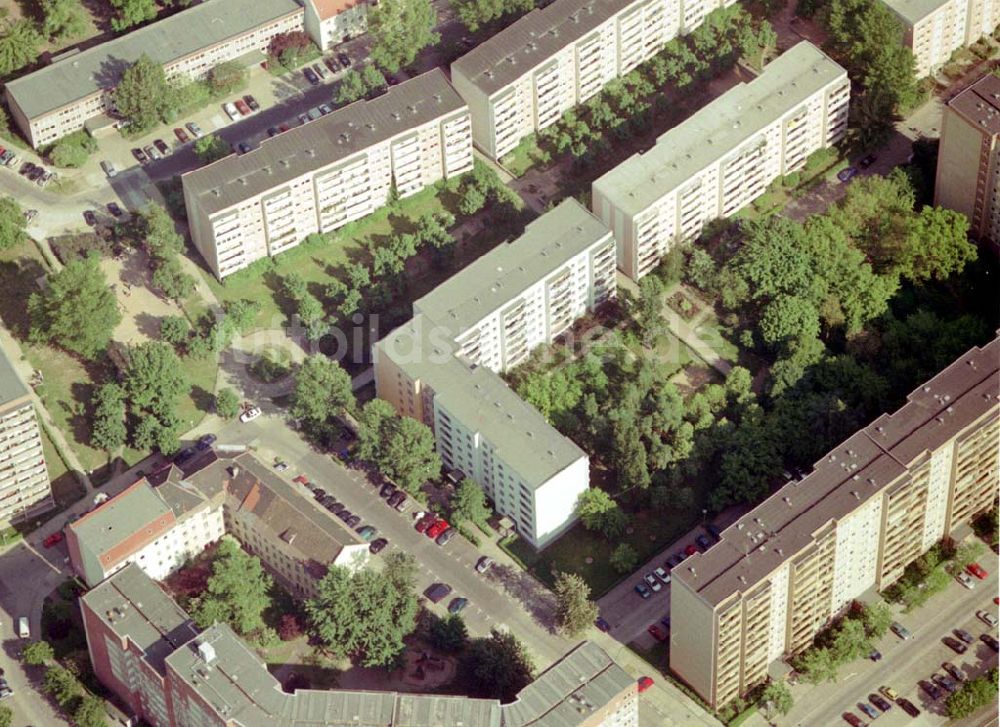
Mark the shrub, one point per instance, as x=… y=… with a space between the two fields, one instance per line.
x=73 y=150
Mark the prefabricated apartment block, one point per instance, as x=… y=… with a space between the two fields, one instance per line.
x=723 y=156
x=320 y=176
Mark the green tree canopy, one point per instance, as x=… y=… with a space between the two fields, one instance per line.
x=61 y=685
x=778 y=696
x=624 y=558
x=936 y=246
x=63 y=19
x=448 y=634
x=227 y=77
x=238 y=590
x=469 y=504
x=400 y=29
x=20 y=44
x=476 y=13
x=73 y=150
x=108 y=431
x=76 y=310
x=143 y=95
x=154 y=379
x=227 y=403
x=972 y=696
x=322 y=390
x=352 y=87
x=12 y=223
x=402 y=448
x=90 y=712
x=575 y=612
x=498 y=666
x=37 y=653
x=131 y=12
x=211 y=148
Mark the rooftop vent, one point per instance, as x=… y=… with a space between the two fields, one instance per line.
x=207 y=652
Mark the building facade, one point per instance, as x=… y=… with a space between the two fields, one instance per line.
x=871 y=506
x=334 y=170
x=25 y=489
x=59 y=99
x=526 y=76
x=935 y=29
x=723 y=157
x=146 y=650
x=330 y=22
x=968 y=171
x=442 y=367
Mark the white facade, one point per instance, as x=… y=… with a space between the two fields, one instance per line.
x=723 y=157
x=330 y=22
x=24 y=478
x=934 y=30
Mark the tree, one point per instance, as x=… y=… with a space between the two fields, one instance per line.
x=322 y=390
x=469 y=504
x=19 y=45
x=90 y=712
x=289 y=629
x=476 y=13
x=174 y=330
x=61 y=685
x=575 y=612
x=12 y=223
x=373 y=423
x=966 y=554
x=63 y=19
x=211 y=148
x=498 y=666
x=448 y=634
x=237 y=592
x=787 y=318
x=108 y=431
x=473 y=199
x=818 y=665
x=76 y=310
x=37 y=653
x=876 y=617
x=972 y=696
x=143 y=94
x=227 y=77
x=599 y=512
x=287 y=49
x=227 y=403
x=366 y=614
x=936 y=247
x=73 y=150
x=171 y=280
x=777 y=696
x=6 y=716
x=400 y=29
x=408 y=456
x=131 y=12
x=242 y=313
x=623 y=558
x=158 y=230
x=352 y=87
x=374 y=81
x=154 y=380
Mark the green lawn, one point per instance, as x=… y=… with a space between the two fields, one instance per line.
x=66 y=489
x=522 y=157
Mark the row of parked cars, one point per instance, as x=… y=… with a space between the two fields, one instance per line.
x=317 y=72
x=654 y=581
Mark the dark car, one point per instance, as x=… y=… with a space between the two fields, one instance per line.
x=990 y=642
x=954 y=671
x=311 y=76
x=140 y=155
x=931 y=688
x=955 y=645
x=345 y=61
x=869 y=710
x=161 y=146
x=318 y=492
x=704 y=542
x=964 y=635
x=881 y=702
x=643 y=590
x=457 y=605
x=875 y=655
x=332 y=64
x=251 y=102
x=854 y=720
x=388 y=489
x=243 y=147
x=665 y=621
x=445 y=537
x=182 y=136
x=395 y=498
x=907 y=706
x=353 y=521
x=205 y=441
x=674 y=560
x=273 y=131
x=867 y=161
x=845 y=175
x=185 y=455
x=425 y=522
x=326 y=499
x=89 y=217
x=713 y=530
x=657 y=633
x=114 y=209
x=602 y=624
x=345 y=515
x=377 y=546
x=437 y=592
x=946 y=683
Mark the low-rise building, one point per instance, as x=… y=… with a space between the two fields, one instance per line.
x=525 y=77
x=968 y=170
x=330 y=22
x=723 y=157
x=935 y=29
x=25 y=489
x=441 y=367
x=320 y=176
x=59 y=99
x=871 y=506
x=145 y=649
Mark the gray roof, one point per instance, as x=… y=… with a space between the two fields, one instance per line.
x=843 y=480
x=79 y=75
x=504 y=273
x=132 y=605
x=584 y=681
x=481 y=400
x=11 y=386
x=979 y=104
x=913 y=11
x=122 y=517
x=323 y=142
x=718 y=129
x=532 y=40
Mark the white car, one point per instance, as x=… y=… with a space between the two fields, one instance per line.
x=987 y=617
x=964 y=579
x=662 y=575
x=230 y=108
x=651 y=581
x=250 y=414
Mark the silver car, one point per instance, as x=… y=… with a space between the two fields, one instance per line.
x=109 y=168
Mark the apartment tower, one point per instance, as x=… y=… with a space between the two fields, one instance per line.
x=320 y=176
x=723 y=157
x=872 y=505
x=968 y=171
x=442 y=367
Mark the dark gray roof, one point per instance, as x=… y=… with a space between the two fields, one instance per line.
x=11 y=386
x=979 y=104
x=79 y=75
x=323 y=142
x=532 y=40
x=854 y=471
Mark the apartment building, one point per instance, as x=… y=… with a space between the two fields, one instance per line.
x=869 y=507
x=25 y=489
x=161 y=521
x=330 y=22
x=146 y=650
x=59 y=99
x=442 y=367
x=526 y=76
x=723 y=157
x=968 y=171
x=935 y=29
x=320 y=176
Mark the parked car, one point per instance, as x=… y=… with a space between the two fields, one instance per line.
x=987 y=617
x=161 y=146
x=318 y=492
x=325 y=109
x=251 y=102
x=314 y=113
x=344 y=59
x=425 y=522
x=713 y=530
x=674 y=560
x=907 y=706
x=53 y=539
x=353 y=521
x=205 y=441
x=89 y=217
x=250 y=414
x=955 y=645
x=867 y=161
x=889 y=692
x=231 y=111
x=965 y=580
x=273 y=131
x=45 y=177
x=29 y=215
x=437 y=528
x=109 y=168
x=280 y=466
x=303 y=118
x=881 y=702
x=665 y=622
x=869 y=710
x=657 y=633
x=367 y=533
x=319 y=70
x=182 y=136
x=602 y=624
x=195 y=130
x=900 y=630
x=445 y=537
x=845 y=175
x=394 y=497
x=332 y=64
x=964 y=635
x=402 y=502
x=854 y=720
x=652 y=582
x=946 y=683
x=310 y=75
x=662 y=575
x=953 y=671
x=704 y=542
x=643 y=590
x=283 y=127
x=139 y=154
x=152 y=152
x=437 y=591
x=690 y=550
x=243 y=107
x=990 y=641
x=377 y=546
x=114 y=210
x=930 y=688
x=457 y=605
x=243 y=148
x=484 y=564
x=875 y=655
x=388 y=489
x=977 y=570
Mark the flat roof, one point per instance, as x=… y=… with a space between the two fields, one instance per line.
x=979 y=104
x=323 y=142
x=861 y=467
x=504 y=273
x=718 y=129
x=79 y=75
x=532 y=40
x=11 y=386
x=913 y=11
x=124 y=516
x=481 y=400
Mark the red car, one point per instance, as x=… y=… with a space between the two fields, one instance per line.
x=182 y=136
x=690 y=550
x=301 y=479
x=645 y=683
x=425 y=522
x=53 y=539
x=657 y=633
x=242 y=107
x=977 y=570
x=437 y=528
